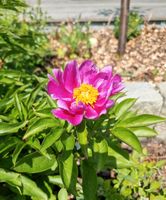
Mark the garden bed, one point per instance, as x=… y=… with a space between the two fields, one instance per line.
x=145 y=57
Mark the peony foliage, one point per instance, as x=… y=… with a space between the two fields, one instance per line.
x=56 y=144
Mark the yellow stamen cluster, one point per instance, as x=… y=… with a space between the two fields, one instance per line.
x=86 y=94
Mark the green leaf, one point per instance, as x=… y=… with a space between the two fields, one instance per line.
x=68 y=171
x=30 y=188
x=89 y=179
x=127 y=137
x=143 y=131
x=25 y=185
x=35 y=163
x=34 y=94
x=68 y=142
x=100 y=153
x=141 y=120
x=39 y=126
x=9 y=177
x=56 y=180
x=83 y=136
x=124 y=106
x=6 y=128
x=18 y=106
x=51 y=138
x=17 y=151
x=44 y=113
x=62 y=194
x=8 y=143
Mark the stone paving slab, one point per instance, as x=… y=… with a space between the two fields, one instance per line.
x=151 y=99
x=99 y=10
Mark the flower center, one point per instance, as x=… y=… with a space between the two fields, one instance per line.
x=86 y=93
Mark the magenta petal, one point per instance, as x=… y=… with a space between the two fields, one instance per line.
x=90 y=113
x=87 y=71
x=71 y=76
x=65 y=115
x=117 y=84
x=63 y=104
x=109 y=103
x=58 y=75
x=77 y=108
x=57 y=91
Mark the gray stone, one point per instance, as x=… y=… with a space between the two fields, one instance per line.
x=161 y=128
x=149 y=99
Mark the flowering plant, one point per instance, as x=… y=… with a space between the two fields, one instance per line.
x=83 y=91
x=53 y=146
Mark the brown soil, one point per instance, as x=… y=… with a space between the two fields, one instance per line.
x=145 y=57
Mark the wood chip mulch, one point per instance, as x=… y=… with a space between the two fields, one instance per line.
x=145 y=57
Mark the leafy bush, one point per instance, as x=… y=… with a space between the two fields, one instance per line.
x=23 y=42
x=75 y=38
x=134 y=25
x=43 y=157
x=141 y=181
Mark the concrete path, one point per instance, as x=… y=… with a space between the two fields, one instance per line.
x=99 y=10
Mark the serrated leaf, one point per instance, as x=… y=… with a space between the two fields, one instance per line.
x=35 y=163
x=141 y=120
x=127 y=137
x=124 y=106
x=68 y=171
x=39 y=126
x=143 y=131
x=89 y=180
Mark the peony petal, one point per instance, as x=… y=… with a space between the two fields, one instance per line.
x=87 y=71
x=71 y=76
x=57 y=91
x=117 y=84
x=90 y=113
x=109 y=103
x=77 y=108
x=58 y=74
x=65 y=115
x=63 y=104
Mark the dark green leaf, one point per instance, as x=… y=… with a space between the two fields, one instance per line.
x=40 y=125
x=68 y=171
x=35 y=163
x=17 y=151
x=6 y=128
x=51 y=138
x=100 y=153
x=89 y=181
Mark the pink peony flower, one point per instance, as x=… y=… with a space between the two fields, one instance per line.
x=82 y=91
